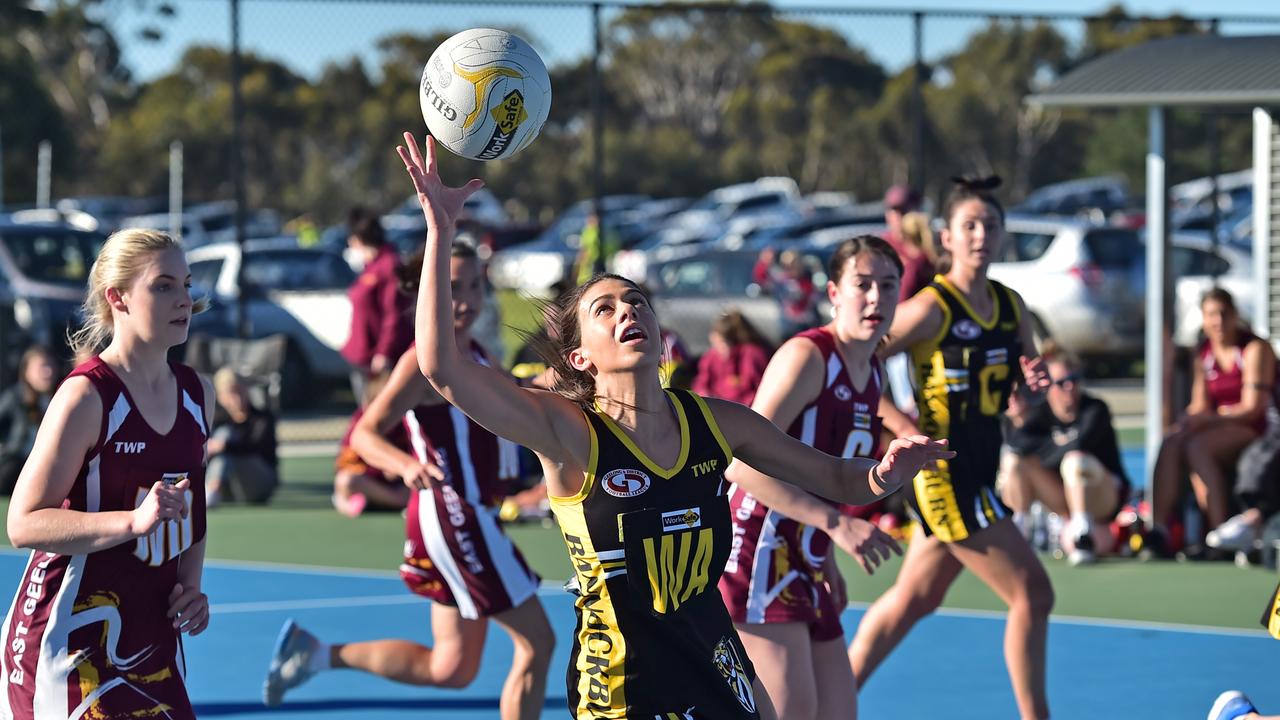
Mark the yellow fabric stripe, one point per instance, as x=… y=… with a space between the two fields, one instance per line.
x=946 y=314
x=936 y=497
x=986 y=507
x=589 y=473
x=714 y=427
x=964 y=303
x=1273 y=615
x=1013 y=300
x=645 y=459
x=599 y=668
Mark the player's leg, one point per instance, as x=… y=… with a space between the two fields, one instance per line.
x=783 y=660
x=833 y=677
x=1002 y=559
x=531 y=634
x=927 y=572
x=452 y=661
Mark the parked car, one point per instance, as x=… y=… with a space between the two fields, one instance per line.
x=300 y=292
x=1196 y=266
x=1083 y=284
x=44 y=270
x=690 y=292
x=1084 y=197
x=110 y=210
x=548 y=259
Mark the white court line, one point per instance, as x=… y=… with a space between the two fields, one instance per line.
x=313 y=604
x=552 y=588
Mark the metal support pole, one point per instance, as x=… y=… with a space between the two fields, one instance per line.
x=1211 y=117
x=175 y=189
x=917 y=178
x=237 y=167
x=2 y=173
x=44 y=172
x=1157 y=340
x=597 y=119
x=1263 y=129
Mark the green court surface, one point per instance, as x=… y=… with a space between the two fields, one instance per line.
x=300 y=527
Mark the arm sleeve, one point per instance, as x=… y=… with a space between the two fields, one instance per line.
x=391 y=320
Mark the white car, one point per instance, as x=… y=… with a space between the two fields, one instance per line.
x=1197 y=266
x=299 y=292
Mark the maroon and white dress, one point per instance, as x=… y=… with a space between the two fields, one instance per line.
x=455 y=551
x=774 y=573
x=87 y=635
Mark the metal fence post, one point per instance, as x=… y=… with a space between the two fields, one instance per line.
x=917 y=178
x=237 y=166
x=597 y=119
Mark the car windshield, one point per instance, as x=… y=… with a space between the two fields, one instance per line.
x=53 y=255
x=298 y=270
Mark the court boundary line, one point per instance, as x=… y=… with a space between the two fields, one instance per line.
x=550 y=588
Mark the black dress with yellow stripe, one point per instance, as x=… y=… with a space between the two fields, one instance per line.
x=1271 y=617
x=648 y=545
x=963 y=378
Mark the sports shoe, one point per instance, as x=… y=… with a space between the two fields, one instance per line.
x=1083 y=554
x=1155 y=546
x=351 y=506
x=1230 y=705
x=290 y=663
x=1234 y=534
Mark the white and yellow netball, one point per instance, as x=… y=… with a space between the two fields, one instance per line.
x=485 y=94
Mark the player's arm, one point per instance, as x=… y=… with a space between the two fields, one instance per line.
x=405 y=389
x=853 y=481
x=1199 y=406
x=894 y=420
x=67 y=434
x=1034 y=373
x=188 y=604
x=542 y=421
x=915 y=321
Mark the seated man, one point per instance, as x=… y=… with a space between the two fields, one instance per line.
x=1063 y=453
x=242 y=448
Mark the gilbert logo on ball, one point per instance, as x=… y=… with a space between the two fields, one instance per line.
x=485 y=94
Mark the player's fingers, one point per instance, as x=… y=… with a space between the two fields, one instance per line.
x=194 y=617
x=411 y=144
x=430 y=165
x=434 y=472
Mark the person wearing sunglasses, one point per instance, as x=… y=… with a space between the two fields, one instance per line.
x=1063 y=453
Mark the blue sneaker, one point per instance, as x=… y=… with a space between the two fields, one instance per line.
x=1230 y=705
x=290 y=662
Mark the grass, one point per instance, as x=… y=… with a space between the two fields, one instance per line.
x=300 y=527
x=519 y=314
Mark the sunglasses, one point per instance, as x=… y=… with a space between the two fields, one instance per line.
x=1072 y=379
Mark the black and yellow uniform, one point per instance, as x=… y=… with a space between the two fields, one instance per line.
x=648 y=545
x=963 y=378
x=1271 y=618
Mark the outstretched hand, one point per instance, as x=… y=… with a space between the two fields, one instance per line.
x=907 y=456
x=441 y=204
x=1035 y=373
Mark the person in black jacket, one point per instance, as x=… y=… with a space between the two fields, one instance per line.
x=242 y=448
x=1063 y=453
x=22 y=407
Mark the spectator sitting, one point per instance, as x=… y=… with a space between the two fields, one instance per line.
x=910 y=237
x=1230 y=393
x=1257 y=490
x=242 y=448
x=22 y=407
x=356 y=484
x=1063 y=453
x=731 y=369
x=791 y=283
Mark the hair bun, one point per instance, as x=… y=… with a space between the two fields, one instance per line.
x=977 y=183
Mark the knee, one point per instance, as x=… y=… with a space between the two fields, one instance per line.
x=1038 y=596
x=1199 y=451
x=918 y=604
x=533 y=647
x=800 y=705
x=453 y=669
x=1078 y=467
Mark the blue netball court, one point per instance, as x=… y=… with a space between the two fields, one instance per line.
x=950 y=666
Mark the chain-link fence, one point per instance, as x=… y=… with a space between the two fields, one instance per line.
x=663 y=100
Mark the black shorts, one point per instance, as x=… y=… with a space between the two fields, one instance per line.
x=957 y=498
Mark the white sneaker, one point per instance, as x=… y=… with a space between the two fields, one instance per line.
x=1231 y=705
x=1234 y=534
x=290 y=663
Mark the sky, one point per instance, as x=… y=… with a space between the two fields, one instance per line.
x=307 y=34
